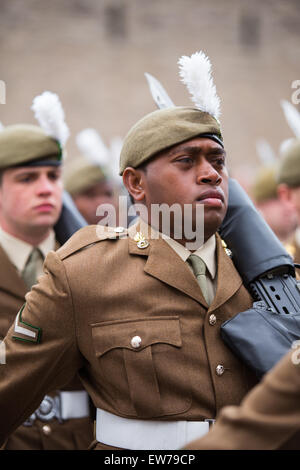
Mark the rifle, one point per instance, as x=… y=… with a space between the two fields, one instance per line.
x=70 y=220
x=260 y=336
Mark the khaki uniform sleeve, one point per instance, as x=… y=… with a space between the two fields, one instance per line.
x=40 y=348
x=268 y=416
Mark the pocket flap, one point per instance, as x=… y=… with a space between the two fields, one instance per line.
x=118 y=334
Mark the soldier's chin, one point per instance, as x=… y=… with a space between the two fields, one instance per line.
x=46 y=220
x=217 y=211
x=213 y=220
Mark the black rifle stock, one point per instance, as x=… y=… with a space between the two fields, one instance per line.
x=70 y=220
x=269 y=274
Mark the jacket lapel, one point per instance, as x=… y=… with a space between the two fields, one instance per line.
x=164 y=264
x=228 y=281
x=10 y=279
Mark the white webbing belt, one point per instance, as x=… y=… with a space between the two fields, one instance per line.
x=74 y=404
x=135 y=434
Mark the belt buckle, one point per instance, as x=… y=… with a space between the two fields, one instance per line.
x=49 y=408
x=210 y=422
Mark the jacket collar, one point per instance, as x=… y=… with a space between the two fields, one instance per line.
x=178 y=275
x=229 y=280
x=10 y=280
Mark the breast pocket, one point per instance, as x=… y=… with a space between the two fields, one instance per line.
x=143 y=366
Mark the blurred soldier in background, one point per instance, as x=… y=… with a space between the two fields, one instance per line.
x=277 y=212
x=30 y=205
x=89 y=178
x=289 y=189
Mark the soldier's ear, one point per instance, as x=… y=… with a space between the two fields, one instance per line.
x=134 y=182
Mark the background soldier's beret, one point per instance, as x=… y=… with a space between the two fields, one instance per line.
x=28 y=145
x=80 y=175
x=90 y=166
x=25 y=144
x=265 y=185
x=289 y=168
x=164 y=128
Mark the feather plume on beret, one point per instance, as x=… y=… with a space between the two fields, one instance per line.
x=50 y=115
x=195 y=73
x=31 y=145
x=173 y=125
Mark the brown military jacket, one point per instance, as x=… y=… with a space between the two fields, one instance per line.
x=72 y=434
x=99 y=291
x=268 y=418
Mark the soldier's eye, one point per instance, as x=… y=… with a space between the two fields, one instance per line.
x=26 y=179
x=184 y=159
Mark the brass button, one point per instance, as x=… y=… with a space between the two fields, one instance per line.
x=136 y=342
x=46 y=429
x=212 y=319
x=220 y=369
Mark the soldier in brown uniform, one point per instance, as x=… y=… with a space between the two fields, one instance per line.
x=268 y=417
x=125 y=309
x=278 y=213
x=87 y=178
x=289 y=190
x=30 y=204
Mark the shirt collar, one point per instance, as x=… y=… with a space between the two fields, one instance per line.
x=18 y=251
x=207 y=251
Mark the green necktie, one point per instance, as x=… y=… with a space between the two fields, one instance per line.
x=199 y=268
x=29 y=273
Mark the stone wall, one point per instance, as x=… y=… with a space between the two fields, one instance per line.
x=94 y=55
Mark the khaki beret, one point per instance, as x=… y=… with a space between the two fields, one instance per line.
x=289 y=168
x=162 y=129
x=79 y=175
x=265 y=185
x=22 y=144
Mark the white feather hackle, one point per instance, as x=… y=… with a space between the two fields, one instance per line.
x=285 y=145
x=265 y=152
x=1 y=126
x=51 y=117
x=91 y=145
x=292 y=116
x=195 y=73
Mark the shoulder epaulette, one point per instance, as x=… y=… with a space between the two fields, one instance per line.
x=88 y=236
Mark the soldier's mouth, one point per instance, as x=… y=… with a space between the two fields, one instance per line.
x=44 y=207
x=211 y=198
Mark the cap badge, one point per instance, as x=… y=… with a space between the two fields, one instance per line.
x=141 y=240
x=227 y=250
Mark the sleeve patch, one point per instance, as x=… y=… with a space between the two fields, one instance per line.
x=24 y=331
